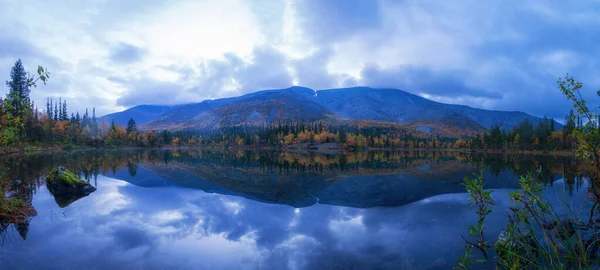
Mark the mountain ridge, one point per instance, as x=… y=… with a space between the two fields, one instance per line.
x=301 y=104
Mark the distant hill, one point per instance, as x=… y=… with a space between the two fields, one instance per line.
x=300 y=104
x=141 y=114
x=398 y=106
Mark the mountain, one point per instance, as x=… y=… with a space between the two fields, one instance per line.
x=300 y=104
x=446 y=125
x=180 y=114
x=265 y=108
x=141 y=114
x=394 y=105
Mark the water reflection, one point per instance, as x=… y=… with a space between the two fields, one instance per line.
x=141 y=218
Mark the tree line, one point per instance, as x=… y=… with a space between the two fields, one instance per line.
x=525 y=136
x=22 y=123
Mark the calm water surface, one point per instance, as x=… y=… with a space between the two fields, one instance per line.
x=189 y=209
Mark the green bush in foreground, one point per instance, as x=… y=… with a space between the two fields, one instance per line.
x=536 y=236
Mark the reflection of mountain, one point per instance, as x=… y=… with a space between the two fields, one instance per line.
x=356 y=188
x=358 y=179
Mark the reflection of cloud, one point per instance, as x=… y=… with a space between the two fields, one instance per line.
x=185 y=228
x=166 y=217
x=348 y=225
x=110 y=200
x=211 y=252
x=234 y=207
x=130 y=238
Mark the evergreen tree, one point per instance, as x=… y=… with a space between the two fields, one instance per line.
x=49 y=107
x=55 y=112
x=64 y=111
x=86 y=120
x=18 y=95
x=94 y=123
x=131 y=127
x=60 y=111
x=36 y=114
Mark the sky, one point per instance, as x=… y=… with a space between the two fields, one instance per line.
x=112 y=55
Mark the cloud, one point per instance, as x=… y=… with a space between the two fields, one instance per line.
x=231 y=75
x=268 y=69
x=326 y=21
x=149 y=92
x=126 y=53
x=492 y=55
x=424 y=81
x=311 y=71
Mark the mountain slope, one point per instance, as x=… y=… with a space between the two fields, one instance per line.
x=299 y=104
x=141 y=114
x=447 y=125
x=394 y=105
x=181 y=114
x=289 y=105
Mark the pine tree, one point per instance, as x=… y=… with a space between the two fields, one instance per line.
x=86 y=120
x=64 y=112
x=131 y=127
x=94 y=122
x=18 y=95
x=49 y=107
x=60 y=116
x=55 y=112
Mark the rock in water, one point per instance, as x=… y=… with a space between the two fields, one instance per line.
x=66 y=187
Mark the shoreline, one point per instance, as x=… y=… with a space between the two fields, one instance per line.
x=330 y=148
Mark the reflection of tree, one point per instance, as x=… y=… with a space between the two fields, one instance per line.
x=20 y=212
x=23 y=228
x=3 y=232
x=88 y=165
x=91 y=163
x=132 y=168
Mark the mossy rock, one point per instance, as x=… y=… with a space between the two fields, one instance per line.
x=64 y=176
x=66 y=187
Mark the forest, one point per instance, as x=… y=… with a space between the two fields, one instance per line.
x=23 y=125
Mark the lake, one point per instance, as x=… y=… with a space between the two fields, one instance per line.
x=192 y=209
